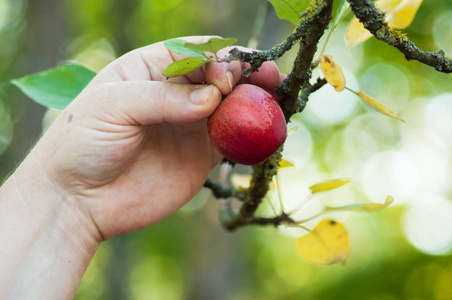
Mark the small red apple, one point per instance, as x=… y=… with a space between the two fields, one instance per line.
x=248 y=126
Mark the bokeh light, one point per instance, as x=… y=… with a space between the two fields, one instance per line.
x=401 y=252
x=328 y=107
x=427 y=224
x=442 y=31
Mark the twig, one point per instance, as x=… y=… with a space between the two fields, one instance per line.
x=313 y=24
x=219 y=192
x=260 y=184
x=313 y=21
x=235 y=221
x=373 y=20
x=307 y=90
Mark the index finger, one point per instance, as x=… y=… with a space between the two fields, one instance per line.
x=148 y=63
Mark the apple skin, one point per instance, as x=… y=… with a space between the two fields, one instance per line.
x=248 y=126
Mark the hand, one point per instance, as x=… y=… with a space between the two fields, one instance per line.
x=133 y=147
x=127 y=152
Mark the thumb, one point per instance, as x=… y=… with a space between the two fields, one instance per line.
x=153 y=102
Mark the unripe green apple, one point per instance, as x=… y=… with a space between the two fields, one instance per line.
x=248 y=126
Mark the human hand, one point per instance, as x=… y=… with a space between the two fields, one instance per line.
x=127 y=152
x=133 y=147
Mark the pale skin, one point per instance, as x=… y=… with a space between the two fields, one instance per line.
x=129 y=151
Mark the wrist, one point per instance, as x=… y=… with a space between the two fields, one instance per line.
x=48 y=236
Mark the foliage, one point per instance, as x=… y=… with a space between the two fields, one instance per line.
x=383 y=262
x=289 y=9
x=197 y=52
x=399 y=14
x=55 y=88
x=326 y=243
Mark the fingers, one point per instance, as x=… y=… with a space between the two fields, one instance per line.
x=142 y=69
x=266 y=77
x=224 y=75
x=148 y=63
x=153 y=102
x=272 y=91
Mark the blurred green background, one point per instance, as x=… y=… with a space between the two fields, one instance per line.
x=402 y=252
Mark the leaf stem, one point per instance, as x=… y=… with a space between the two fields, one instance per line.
x=301 y=204
x=311 y=217
x=330 y=33
x=273 y=208
x=350 y=90
x=281 y=204
x=303 y=227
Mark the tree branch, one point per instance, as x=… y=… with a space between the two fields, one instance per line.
x=234 y=221
x=219 y=191
x=316 y=86
x=257 y=58
x=260 y=184
x=313 y=24
x=373 y=20
x=307 y=90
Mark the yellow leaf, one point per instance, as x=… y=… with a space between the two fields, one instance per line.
x=328 y=185
x=292 y=130
x=356 y=33
x=367 y=207
x=326 y=244
x=285 y=164
x=378 y=106
x=399 y=14
x=377 y=206
x=333 y=73
x=387 y=5
x=403 y=14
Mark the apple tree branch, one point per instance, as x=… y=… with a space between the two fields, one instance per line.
x=373 y=20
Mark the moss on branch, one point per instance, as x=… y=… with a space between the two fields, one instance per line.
x=373 y=20
x=313 y=23
x=233 y=221
x=297 y=89
x=220 y=192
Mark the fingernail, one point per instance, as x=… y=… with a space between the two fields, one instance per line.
x=201 y=95
x=230 y=79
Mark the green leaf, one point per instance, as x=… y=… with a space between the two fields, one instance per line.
x=184 y=66
x=55 y=87
x=289 y=9
x=178 y=46
x=213 y=45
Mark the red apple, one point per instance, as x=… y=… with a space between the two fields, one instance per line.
x=248 y=126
